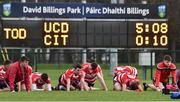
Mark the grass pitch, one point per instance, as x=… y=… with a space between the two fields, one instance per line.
x=110 y=95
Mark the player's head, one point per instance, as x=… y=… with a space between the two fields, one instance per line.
x=167 y=60
x=24 y=61
x=77 y=68
x=44 y=76
x=6 y=64
x=90 y=60
x=94 y=66
x=133 y=85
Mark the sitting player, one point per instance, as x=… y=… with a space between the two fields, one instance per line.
x=40 y=82
x=125 y=82
x=162 y=73
x=3 y=85
x=72 y=79
x=92 y=72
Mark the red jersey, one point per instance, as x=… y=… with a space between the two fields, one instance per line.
x=29 y=69
x=36 y=79
x=125 y=69
x=90 y=75
x=2 y=73
x=125 y=78
x=70 y=74
x=15 y=74
x=162 y=73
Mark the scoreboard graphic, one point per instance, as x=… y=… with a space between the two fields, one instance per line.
x=93 y=26
x=118 y=34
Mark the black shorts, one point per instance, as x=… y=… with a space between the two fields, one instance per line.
x=91 y=84
x=2 y=84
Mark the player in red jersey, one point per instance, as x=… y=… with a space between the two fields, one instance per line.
x=125 y=69
x=164 y=69
x=17 y=72
x=3 y=85
x=89 y=61
x=21 y=85
x=40 y=82
x=92 y=72
x=72 y=79
x=126 y=82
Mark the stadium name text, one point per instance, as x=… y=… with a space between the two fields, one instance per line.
x=86 y=10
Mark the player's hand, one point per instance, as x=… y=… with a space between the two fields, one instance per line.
x=28 y=91
x=12 y=91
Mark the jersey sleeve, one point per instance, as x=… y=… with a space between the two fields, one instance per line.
x=157 y=77
x=69 y=73
x=12 y=74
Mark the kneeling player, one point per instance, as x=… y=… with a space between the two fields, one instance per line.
x=40 y=82
x=72 y=79
x=3 y=85
x=163 y=71
x=125 y=82
x=92 y=72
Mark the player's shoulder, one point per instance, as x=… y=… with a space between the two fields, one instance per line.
x=36 y=74
x=172 y=66
x=69 y=71
x=1 y=68
x=160 y=65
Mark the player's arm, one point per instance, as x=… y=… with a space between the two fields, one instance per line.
x=124 y=88
x=83 y=83
x=11 y=78
x=157 y=77
x=68 y=84
x=173 y=74
x=48 y=85
x=140 y=88
x=101 y=79
x=19 y=86
x=27 y=82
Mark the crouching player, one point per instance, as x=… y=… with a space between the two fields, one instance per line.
x=125 y=82
x=40 y=82
x=162 y=73
x=92 y=72
x=3 y=85
x=21 y=85
x=72 y=79
x=125 y=69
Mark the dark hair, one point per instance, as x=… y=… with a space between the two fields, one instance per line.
x=77 y=66
x=133 y=85
x=24 y=58
x=90 y=60
x=94 y=65
x=167 y=58
x=44 y=76
x=6 y=62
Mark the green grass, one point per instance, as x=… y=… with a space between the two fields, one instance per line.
x=54 y=71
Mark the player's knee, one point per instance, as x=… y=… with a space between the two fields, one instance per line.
x=117 y=87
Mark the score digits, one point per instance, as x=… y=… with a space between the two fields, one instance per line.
x=151 y=34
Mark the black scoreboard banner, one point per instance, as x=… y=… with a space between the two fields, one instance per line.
x=89 y=10
x=84 y=34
